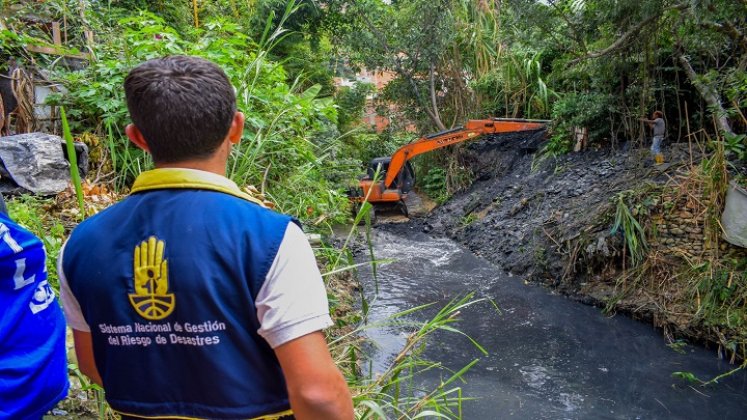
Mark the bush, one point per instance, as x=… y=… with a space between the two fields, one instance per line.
x=288 y=145
x=590 y=110
x=351 y=102
x=434 y=184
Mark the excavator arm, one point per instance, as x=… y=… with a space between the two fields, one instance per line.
x=390 y=190
x=472 y=129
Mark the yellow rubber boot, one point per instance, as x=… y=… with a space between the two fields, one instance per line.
x=659 y=158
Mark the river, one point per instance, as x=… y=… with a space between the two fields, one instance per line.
x=549 y=357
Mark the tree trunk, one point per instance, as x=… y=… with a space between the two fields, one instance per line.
x=399 y=69
x=432 y=113
x=709 y=94
x=434 y=102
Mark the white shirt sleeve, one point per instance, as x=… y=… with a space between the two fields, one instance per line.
x=292 y=301
x=70 y=305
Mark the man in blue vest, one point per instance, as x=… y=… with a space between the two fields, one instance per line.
x=189 y=299
x=33 y=366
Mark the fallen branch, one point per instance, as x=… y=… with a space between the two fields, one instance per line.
x=551 y=238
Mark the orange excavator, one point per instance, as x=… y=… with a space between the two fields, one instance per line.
x=389 y=179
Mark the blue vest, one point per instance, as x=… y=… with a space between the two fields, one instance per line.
x=33 y=366
x=167 y=281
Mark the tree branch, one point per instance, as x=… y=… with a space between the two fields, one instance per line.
x=729 y=30
x=432 y=113
x=624 y=37
x=709 y=94
x=579 y=39
x=434 y=102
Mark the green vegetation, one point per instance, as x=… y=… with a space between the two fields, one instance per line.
x=468 y=219
x=599 y=65
x=634 y=235
x=434 y=184
x=695 y=280
x=303 y=143
x=394 y=392
x=351 y=102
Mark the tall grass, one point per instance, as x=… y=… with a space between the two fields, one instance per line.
x=397 y=392
x=127 y=160
x=73 y=158
x=634 y=235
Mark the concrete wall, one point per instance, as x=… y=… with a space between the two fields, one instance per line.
x=47 y=117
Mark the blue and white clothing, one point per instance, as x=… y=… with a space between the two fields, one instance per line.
x=33 y=365
x=186 y=287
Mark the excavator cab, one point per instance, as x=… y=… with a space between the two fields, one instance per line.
x=404 y=181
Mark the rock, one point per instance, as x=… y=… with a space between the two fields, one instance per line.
x=314 y=238
x=677 y=231
x=34 y=162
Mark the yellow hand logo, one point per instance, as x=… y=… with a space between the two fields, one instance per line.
x=151 y=299
x=151 y=270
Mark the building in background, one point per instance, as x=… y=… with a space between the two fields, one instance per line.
x=372 y=115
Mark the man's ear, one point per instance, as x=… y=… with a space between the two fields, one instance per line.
x=136 y=137
x=237 y=128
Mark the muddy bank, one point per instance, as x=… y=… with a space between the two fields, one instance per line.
x=523 y=210
x=550 y=221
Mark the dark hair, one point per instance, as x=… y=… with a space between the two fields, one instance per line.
x=182 y=105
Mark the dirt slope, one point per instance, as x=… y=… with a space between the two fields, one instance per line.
x=522 y=212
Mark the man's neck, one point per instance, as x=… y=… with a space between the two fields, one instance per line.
x=215 y=163
x=202 y=165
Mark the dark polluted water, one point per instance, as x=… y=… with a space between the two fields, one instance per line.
x=549 y=357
